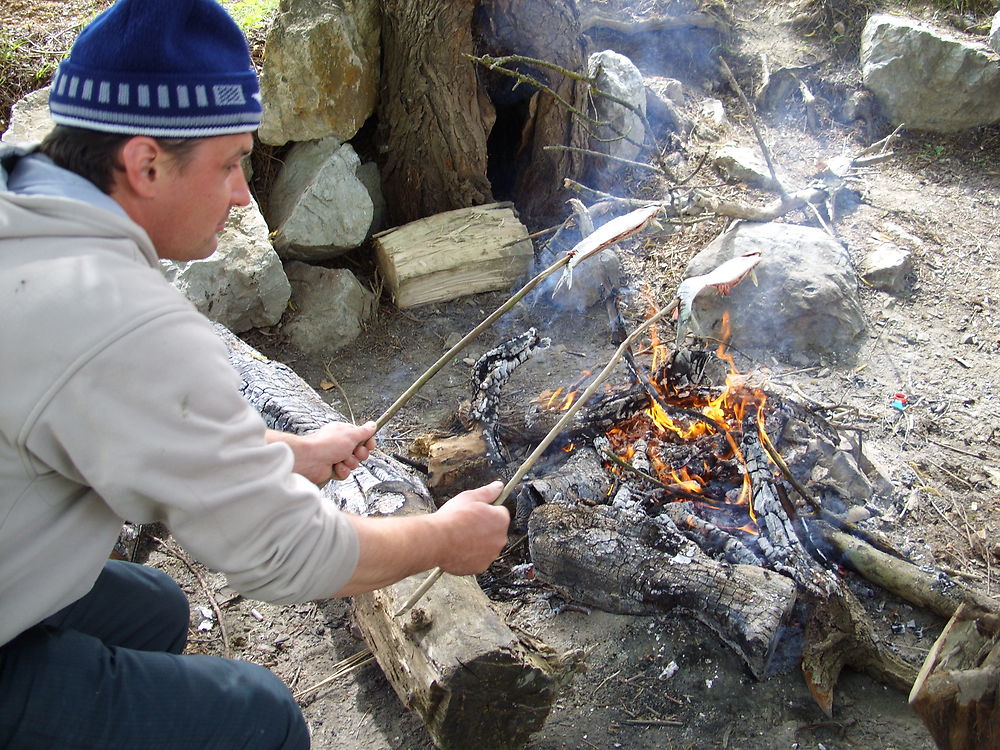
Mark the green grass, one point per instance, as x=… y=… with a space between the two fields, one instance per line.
x=963 y=7
x=250 y=14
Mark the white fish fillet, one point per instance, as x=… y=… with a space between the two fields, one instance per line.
x=722 y=278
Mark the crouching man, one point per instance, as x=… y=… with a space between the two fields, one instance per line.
x=119 y=403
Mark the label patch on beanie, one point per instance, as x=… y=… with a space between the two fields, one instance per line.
x=228 y=95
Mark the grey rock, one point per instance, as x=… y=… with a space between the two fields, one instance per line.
x=805 y=307
x=928 y=79
x=888 y=268
x=29 y=118
x=331 y=308
x=592 y=281
x=994 y=36
x=618 y=76
x=319 y=209
x=322 y=70
x=242 y=285
x=369 y=176
x=743 y=164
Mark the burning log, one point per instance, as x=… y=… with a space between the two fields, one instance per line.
x=779 y=540
x=630 y=564
x=839 y=631
x=957 y=692
x=473 y=681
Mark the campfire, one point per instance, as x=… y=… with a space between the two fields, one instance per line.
x=694 y=488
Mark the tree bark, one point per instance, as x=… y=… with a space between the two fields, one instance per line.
x=433 y=118
x=435 y=111
x=547 y=31
x=957 y=692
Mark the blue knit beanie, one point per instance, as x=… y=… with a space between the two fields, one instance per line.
x=162 y=68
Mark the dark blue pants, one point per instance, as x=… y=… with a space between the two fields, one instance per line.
x=106 y=672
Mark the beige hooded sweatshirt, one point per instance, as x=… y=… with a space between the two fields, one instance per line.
x=118 y=402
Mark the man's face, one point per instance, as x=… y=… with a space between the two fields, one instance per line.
x=193 y=202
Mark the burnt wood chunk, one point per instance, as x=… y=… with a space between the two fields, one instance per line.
x=957 y=693
x=840 y=633
x=633 y=565
x=473 y=680
x=458 y=463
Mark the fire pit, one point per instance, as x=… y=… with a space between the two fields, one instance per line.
x=697 y=489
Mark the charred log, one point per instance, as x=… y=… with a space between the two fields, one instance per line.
x=779 y=540
x=630 y=564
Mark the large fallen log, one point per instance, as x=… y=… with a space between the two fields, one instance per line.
x=473 y=681
x=635 y=566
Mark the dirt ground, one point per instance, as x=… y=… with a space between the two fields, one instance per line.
x=940 y=345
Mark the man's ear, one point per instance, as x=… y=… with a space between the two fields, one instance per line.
x=143 y=165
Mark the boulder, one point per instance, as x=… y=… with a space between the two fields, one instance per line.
x=322 y=71
x=591 y=284
x=29 y=118
x=330 y=308
x=744 y=164
x=318 y=208
x=928 y=79
x=371 y=178
x=804 y=308
x=616 y=75
x=242 y=285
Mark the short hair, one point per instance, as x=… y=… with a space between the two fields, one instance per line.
x=96 y=156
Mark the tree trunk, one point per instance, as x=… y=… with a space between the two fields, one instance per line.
x=438 y=135
x=547 y=31
x=433 y=118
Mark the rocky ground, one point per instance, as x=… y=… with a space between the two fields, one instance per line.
x=939 y=344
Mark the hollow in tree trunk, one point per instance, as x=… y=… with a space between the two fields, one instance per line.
x=436 y=117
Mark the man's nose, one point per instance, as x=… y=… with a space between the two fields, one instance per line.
x=241 y=190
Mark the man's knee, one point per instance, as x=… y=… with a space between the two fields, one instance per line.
x=176 y=610
x=272 y=711
x=164 y=603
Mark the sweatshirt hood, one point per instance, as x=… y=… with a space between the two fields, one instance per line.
x=40 y=199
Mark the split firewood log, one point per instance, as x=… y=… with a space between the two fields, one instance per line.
x=473 y=680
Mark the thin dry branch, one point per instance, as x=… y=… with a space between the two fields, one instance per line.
x=174 y=551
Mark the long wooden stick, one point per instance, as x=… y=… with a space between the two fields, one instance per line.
x=466 y=340
x=605 y=236
x=435 y=574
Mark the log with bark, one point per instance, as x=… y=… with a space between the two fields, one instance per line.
x=473 y=681
x=957 y=692
x=634 y=565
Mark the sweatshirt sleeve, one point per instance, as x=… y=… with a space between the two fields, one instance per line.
x=154 y=422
